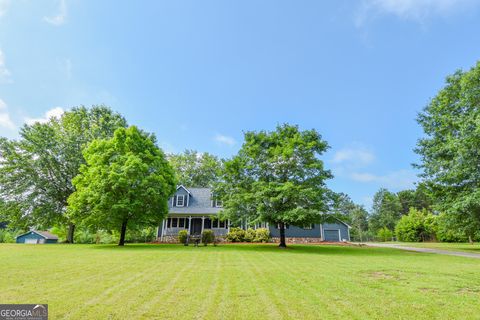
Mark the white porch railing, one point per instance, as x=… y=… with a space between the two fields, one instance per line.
x=174 y=231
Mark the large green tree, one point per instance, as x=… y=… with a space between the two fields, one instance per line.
x=342 y=206
x=386 y=211
x=126 y=180
x=277 y=177
x=196 y=169
x=418 y=198
x=36 y=171
x=449 y=150
x=359 y=222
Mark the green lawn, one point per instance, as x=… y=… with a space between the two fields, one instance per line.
x=239 y=282
x=465 y=247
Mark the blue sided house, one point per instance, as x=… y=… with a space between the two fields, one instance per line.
x=195 y=209
x=37 y=237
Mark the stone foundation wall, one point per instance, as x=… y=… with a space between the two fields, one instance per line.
x=297 y=240
x=169 y=239
x=174 y=239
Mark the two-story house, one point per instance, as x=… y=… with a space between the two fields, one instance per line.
x=195 y=209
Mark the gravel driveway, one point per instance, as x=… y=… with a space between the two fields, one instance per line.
x=425 y=250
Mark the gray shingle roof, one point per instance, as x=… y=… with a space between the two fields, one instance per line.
x=47 y=235
x=200 y=203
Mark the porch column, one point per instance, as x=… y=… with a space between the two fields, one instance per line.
x=189 y=224
x=163 y=229
x=203 y=223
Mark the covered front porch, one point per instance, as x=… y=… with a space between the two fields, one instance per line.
x=194 y=224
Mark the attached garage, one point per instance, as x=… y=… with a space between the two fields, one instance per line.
x=337 y=231
x=37 y=237
x=332 y=235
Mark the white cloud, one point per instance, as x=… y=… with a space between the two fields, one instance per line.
x=401 y=179
x=4 y=4
x=52 y=113
x=4 y=72
x=222 y=139
x=5 y=120
x=416 y=10
x=61 y=17
x=357 y=156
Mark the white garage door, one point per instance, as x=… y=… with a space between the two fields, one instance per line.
x=31 y=241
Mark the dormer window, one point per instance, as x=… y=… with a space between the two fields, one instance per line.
x=218 y=203
x=180 y=201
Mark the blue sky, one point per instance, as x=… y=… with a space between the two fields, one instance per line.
x=199 y=73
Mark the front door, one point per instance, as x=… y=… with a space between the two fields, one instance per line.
x=196 y=227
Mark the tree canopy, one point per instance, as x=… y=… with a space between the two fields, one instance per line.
x=386 y=210
x=449 y=149
x=277 y=177
x=196 y=169
x=417 y=225
x=419 y=199
x=36 y=171
x=126 y=180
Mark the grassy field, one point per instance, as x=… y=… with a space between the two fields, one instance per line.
x=465 y=247
x=239 y=282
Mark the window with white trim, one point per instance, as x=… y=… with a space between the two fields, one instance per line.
x=174 y=222
x=218 y=203
x=180 y=200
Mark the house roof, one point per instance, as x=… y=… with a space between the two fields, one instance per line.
x=343 y=222
x=181 y=186
x=47 y=235
x=200 y=202
x=44 y=234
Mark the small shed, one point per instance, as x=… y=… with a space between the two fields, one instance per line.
x=37 y=237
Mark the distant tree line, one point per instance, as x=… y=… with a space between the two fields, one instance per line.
x=445 y=205
x=88 y=169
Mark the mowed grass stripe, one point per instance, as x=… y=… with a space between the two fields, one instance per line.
x=307 y=301
x=166 y=295
x=239 y=282
x=270 y=302
x=119 y=292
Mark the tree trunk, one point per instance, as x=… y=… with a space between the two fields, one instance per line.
x=283 y=243
x=70 y=232
x=122 y=233
x=97 y=237
x=470 y=240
